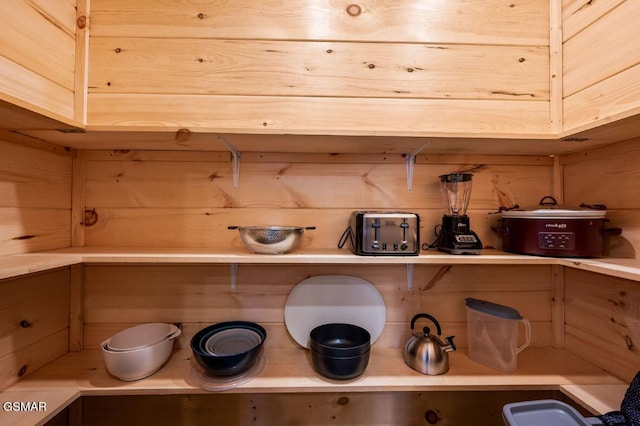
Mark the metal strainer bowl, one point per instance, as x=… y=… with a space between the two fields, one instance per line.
x=271 y=239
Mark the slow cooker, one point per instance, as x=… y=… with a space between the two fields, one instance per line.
x=550 y=229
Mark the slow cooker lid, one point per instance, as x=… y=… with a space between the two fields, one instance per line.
x=548 y=208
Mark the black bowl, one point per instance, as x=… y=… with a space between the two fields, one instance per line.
x=340 y=340
x=228 y=348
x=339 y=368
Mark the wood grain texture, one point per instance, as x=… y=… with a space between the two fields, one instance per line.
x=50 y=51
x=460 y=21
x=194 y=201
x=303 y=68
x=579 y=14
x=379 y=408
x=612 y=99
x=35 y=193
x=603 y=321
x=33 y=178
x=319 y=115
x=119 y=296
x=265 y=68
x=34 y=322
x=589 y=58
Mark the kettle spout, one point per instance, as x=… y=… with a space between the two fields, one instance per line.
x=450 y=346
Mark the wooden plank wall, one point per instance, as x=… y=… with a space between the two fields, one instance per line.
x=341 y=408
x=326 y=67
x=173 y=199
x=603 y=313
x=116 y=297
x=34 y=322
x=601 y=84
x=38 y=56
x=35 y=199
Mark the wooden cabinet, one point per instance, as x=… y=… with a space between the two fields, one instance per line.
x=601 y=69
x=325 y=67
x=41 y=65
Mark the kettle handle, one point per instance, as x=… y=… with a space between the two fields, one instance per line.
x=429 y=317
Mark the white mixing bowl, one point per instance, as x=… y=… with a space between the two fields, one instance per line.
x=138 y=363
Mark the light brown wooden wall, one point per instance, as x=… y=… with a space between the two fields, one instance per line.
x=603 y=313
x=116 y=297
x=341 y=408
x=164 y=199
x=325 y=67
x=34 y=322
x=35 y=199
x=38 y=57
x=608 y=176
x=601 y=79
x=603 y=321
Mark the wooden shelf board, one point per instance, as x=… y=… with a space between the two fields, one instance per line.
x=16 y=265
x=11 y=266
x=288 y=370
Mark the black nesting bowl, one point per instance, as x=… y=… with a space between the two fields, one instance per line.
x=228 y=348
x=339 y=351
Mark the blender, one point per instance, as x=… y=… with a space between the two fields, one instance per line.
x=456 y=236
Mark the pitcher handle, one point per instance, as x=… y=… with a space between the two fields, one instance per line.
x=527 y=329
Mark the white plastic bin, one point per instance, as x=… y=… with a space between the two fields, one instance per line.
x=493 y=334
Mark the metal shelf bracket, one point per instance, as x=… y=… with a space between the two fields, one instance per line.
x=235 y=158
x=410 y=276
x=410 y=161
x=234 y=276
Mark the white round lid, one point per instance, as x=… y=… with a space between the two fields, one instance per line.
x=325 y=299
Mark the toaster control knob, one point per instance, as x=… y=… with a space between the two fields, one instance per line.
x=375 y=246
x=403 y=247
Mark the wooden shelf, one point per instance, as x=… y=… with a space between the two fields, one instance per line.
x=12 y=266
x=288 y=369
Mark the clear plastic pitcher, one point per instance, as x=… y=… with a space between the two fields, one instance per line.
x=493 y=334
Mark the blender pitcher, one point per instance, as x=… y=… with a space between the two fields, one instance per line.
x=493 y=334
x=456 y=236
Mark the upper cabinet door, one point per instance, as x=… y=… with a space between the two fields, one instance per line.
x=39 y=88
x=601 y=63
x=463 y=68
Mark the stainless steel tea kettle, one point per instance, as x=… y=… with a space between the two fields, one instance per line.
x=425 y=352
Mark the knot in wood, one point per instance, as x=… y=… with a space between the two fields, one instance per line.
x=343 y=400
x=354 y=10
x=90 y=217
x=431 y=417
x=182 y=135
x=81 y=22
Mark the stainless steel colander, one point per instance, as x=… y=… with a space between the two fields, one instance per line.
x=271 y=239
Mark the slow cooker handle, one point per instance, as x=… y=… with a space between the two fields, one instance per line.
x=612 y=232
x=593 y=206
x=553 y=201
